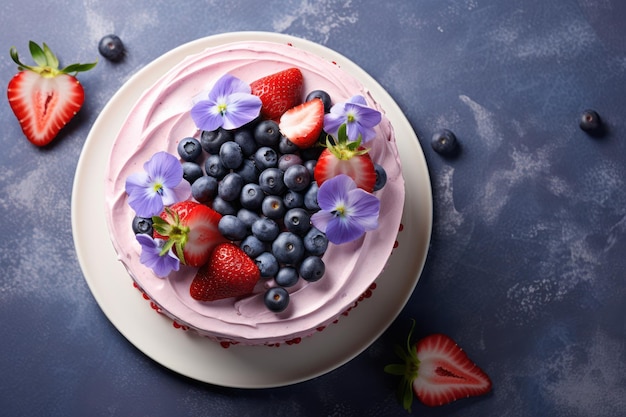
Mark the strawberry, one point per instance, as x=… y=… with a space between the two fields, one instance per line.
x=45 y=98
x=191 y=229
x=229 y=273
x=303 y=124
x=346 y=157
x=278 y=92
x=438 y=372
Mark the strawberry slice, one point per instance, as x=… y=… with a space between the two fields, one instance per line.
x=346 y=157
x=279 y=92
x=45 y=98
x=303 y=124
x=229 y=273
x=191 y=229
x=438 y=372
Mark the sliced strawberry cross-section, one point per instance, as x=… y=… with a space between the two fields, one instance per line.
x=303 y=124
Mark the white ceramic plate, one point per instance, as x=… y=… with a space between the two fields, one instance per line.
x=243 y=366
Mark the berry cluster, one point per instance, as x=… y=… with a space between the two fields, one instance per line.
x=263 y=186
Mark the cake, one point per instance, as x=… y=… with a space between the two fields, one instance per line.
x=163 y=117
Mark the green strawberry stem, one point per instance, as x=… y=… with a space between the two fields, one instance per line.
x=176 y=233
x=342 y=147
x=407 y=370
x=47 y=62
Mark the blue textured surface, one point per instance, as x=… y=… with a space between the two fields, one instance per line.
x=526 y=269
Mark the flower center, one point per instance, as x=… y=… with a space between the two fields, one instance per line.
x=221 y=108
x=351 y=118
x=339 y=211
x=158 y=188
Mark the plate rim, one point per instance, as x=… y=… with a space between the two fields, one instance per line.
x=153 y=327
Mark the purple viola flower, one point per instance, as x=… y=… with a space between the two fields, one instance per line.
x=346 y=211
x=160 y=184
x=358 y=117
x=229 y=105
x=161 y=261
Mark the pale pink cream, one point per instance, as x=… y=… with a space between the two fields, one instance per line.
x=161 y=118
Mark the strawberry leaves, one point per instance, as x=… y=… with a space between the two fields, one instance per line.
x=437 y=371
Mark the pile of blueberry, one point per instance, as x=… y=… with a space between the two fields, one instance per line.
x=263 y=187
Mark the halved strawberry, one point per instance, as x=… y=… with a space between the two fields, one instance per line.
x=45 y=98
x=279 y=92
x=438 y=372
x=229 y=273
x=190 y=229
x=303 y=124
x=346 y=157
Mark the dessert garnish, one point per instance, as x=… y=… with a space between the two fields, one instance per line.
x=346 y=211
x=155 y=256
x=303 y=124
x=591 y=123
x=112 y=48
x=437 y=371
x=45 y=97
x=190 y=229
x=279 y=92
x=359 y=119
x=228 y=273
x=229 y=104
x=160 y=184
x=345 y=156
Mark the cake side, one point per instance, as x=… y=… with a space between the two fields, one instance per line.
x=161 y=118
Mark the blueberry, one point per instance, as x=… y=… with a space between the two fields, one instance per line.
x=322 y=95
x=288 y=248
x=245 y=139
x=265 y=229
x=312 y=268
x=315 y=242
x=251 y=196
x=286 y=146
x=142 y=225
x=297 y=177
x=381 y=177
x=265 y=157
x=444 y=142
x=287 y=160
x=191 y=171
x=112 y=48
x=248 y=217
x=204 y=188
x=310 y=165
x=232 y=228
x=248 y=171
x=273 y=207
x=212 y=140
x=266 y=133
x=590 y=121
x=224 y=207
x=271 y=181
x=229 y=188
x=267 y=263
x=310 y=197
x=287 y=276
x=276 y=299
x=214 y=167
x=189 y=149
x=231 y=155
x=252 y=246
x=293 y=199
x=297 y=220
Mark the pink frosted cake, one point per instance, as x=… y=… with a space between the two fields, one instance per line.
x=290 y=229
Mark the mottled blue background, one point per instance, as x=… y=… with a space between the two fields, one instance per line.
x=526 y=268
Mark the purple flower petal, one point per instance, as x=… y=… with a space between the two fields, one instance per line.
x=205 y=115
x=241 y=109
x=346 y=212
x=151 y=256
x=227 y=85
